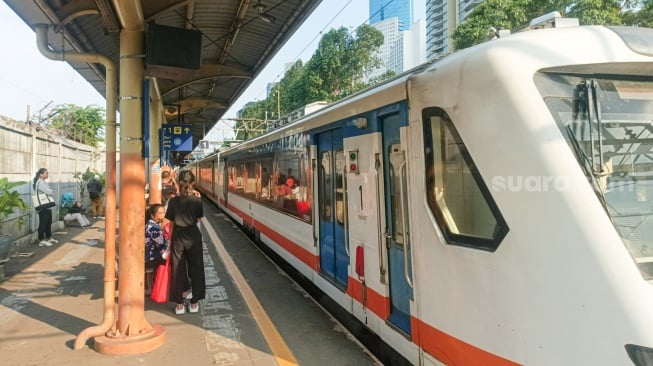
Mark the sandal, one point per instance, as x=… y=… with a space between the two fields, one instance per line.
x=180 y=311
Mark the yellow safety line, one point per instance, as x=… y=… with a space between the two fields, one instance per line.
x=279 y=348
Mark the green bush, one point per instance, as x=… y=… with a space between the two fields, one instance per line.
x=10 y=201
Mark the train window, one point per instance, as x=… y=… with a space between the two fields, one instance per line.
x=397 y=197
x=326 y=193
x=456 y=194
x=340 y=187
x=265 y=179
x=249 y=178
x=233 y=177
x=289 y=180
x=241 y=176
x=607 y=124
x=280 y=181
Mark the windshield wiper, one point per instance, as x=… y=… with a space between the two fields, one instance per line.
x=586 y=103
x=593 y=107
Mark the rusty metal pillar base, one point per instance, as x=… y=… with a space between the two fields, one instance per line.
x=123 y=345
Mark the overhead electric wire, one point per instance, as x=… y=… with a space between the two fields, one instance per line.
x=318 y=34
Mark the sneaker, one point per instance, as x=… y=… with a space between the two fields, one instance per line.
x=45 y=243
x=179 y=311
x=53 y=241
x=188 y=296
x=194 y=309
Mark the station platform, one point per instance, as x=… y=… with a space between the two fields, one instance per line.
x=253 y=314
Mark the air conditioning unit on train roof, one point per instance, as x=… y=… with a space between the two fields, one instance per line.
x=552 y=20
x=296 y=114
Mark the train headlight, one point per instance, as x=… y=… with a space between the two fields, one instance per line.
x=641 y=356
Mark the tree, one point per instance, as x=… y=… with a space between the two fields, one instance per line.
x=599 y=12
x=81 y=124
x=513 y=14
x=337 y=67
x=385 y=76
x=334 y=71
x=252 y=121
x=639 y=17
x=291 y=89
x=497 y=14
x=82 y=179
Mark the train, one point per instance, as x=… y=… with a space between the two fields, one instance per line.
x=491 y=207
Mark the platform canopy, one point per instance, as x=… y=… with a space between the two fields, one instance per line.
x=238 y=38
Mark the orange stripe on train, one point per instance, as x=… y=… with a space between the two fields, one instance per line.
x=450 y=350
x=444 y=347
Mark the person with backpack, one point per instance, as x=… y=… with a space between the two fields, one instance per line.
x=94 y=187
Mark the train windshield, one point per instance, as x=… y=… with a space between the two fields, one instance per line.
x=608 y=123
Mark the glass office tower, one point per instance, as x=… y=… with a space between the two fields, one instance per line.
x=385 y=9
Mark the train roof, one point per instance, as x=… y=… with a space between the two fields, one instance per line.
x=527 y=43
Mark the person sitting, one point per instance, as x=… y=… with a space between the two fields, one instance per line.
x=290 y=180
x=283 y=190
x=76 y=212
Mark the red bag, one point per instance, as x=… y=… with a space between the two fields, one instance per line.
x=161 y=283
x=166 y=230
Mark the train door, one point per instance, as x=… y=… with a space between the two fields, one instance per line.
x=334 y=260
x=396 y=226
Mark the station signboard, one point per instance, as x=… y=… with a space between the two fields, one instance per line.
x=177 y=138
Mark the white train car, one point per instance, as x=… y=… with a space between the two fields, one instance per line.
x=492 y=208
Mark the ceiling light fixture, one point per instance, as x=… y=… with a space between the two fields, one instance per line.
x=260 y=7
x=261 y=13
x=267 y=18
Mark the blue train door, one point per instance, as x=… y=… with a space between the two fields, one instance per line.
x=334 y=260
x=397 y=229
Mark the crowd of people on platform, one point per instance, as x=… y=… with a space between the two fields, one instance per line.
x=172 y=231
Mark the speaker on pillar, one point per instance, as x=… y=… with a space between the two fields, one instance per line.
x=172 y=53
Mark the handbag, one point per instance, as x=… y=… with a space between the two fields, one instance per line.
x=41 y=200
x=161 y=283
x=166 y=230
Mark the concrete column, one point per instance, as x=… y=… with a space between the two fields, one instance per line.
x=132 y=332
x=132 y=186
x=155 y=144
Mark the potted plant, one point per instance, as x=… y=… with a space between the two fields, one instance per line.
x=9 y=201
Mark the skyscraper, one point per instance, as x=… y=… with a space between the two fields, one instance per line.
x=388 y=27
x=385 y=9
x=442 y=18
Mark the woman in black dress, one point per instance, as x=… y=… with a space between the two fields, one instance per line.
x=185 y=212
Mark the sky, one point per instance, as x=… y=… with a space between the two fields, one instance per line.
x=29 y=80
